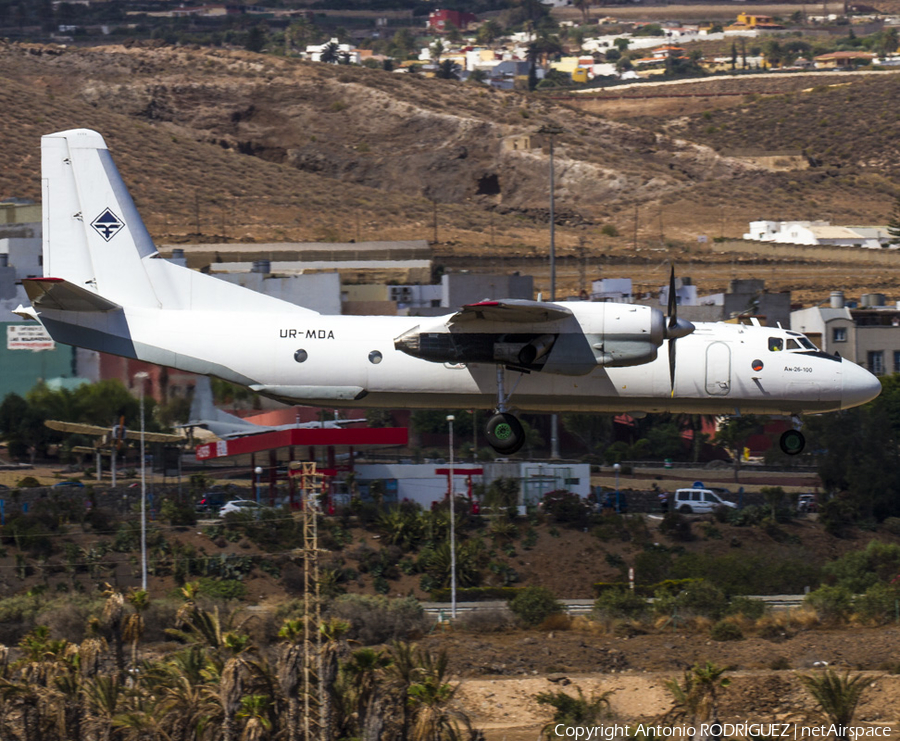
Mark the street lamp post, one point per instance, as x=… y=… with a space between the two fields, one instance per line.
x=552 y=132
x=450 y=419
x=617 y=467
x=141 y=378
x=258 y=471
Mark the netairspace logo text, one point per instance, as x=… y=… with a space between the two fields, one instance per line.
x=720 y=730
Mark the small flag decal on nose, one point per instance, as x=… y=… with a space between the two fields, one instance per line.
x=107 y=224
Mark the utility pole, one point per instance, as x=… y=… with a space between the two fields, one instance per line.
x=552 y=132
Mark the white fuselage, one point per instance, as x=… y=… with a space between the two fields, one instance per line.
x=106 y=288
x=718 y=369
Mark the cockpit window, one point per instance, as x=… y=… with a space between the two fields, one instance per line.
x=776 y=344
x=792 y=344
x=807 y=343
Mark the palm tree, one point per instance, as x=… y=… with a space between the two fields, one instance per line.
x=111 y=622
x=437 y=51
x=697 y=698
x=133 y=630
x=488 y=33
x=231 y=692
x=254 y=708
x=104 y=695
x=836 y=696
x=574 y=711
x=364 y=668
x=448 y=70
x=290 y=673
x=430 y=697
x=330 y=53
x=333 y=645
x=186 y=701
x=585 y=7
x=402 y=672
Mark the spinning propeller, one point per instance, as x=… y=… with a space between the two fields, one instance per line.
x=675 y=328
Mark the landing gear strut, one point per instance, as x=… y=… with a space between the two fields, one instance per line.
x=504 y=431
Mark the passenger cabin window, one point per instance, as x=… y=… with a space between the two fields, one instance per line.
x=695 y=496
x=708 y=497
x=776 y=344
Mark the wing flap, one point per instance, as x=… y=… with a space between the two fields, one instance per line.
x=517 y=311
x=61 y=295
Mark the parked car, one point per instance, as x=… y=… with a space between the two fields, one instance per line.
x=246 y=506
x=211 y=501
x=68 y=485
x=699 y=501
x=807 y=503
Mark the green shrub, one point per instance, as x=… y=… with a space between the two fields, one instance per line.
x=533 y=605
x=29 y=482
x=726 y=631
x=565 y=506
x=698 y=597
x=621 y=603
x=676 y=526
x=223 y=589
x=378 y=619
x=178 y=514
x=752 y=609
x=830 y=603
x=858 y=570
x=838 y=515
x=878 y=604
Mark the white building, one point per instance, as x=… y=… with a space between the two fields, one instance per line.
x=344 y=51
x=818 y=233
x=426 y=483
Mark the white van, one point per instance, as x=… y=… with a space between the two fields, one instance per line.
x=698 y=501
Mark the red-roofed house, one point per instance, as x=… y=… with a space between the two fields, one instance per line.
x=441 y=20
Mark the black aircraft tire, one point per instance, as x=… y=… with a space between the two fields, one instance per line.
x=504 y=433
x=792 y=442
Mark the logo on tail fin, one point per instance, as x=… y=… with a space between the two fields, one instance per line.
x=107 y=224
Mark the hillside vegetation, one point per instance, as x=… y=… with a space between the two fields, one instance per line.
x=269 y=148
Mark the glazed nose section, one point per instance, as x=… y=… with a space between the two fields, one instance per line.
x=859 y=386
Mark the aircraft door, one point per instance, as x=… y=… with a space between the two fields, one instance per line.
x=718 y=369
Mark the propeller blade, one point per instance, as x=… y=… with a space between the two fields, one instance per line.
x=672 y=366
x=672 y=308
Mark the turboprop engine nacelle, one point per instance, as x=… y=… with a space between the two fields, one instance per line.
x=578 y=338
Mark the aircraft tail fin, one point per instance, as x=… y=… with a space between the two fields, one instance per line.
x=93 y=236
x=204 y=413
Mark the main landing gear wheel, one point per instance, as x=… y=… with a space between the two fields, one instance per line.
x=504 y=433
x=792 y=442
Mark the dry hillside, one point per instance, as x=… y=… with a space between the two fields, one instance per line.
x=227 y=145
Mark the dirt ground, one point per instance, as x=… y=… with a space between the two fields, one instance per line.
x=502 y=673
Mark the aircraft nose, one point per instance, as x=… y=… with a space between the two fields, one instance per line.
x=859 y=386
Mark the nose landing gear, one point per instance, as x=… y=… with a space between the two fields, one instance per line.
x=792 y=442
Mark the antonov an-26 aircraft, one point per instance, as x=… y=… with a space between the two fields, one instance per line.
x=106 y=288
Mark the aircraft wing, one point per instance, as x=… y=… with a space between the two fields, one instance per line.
x=517 y=311
x=154 y=437
x=97 y=431
x=77 y=428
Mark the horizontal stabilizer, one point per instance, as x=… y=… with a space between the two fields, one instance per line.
x=519 y=311
x=60 y=295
